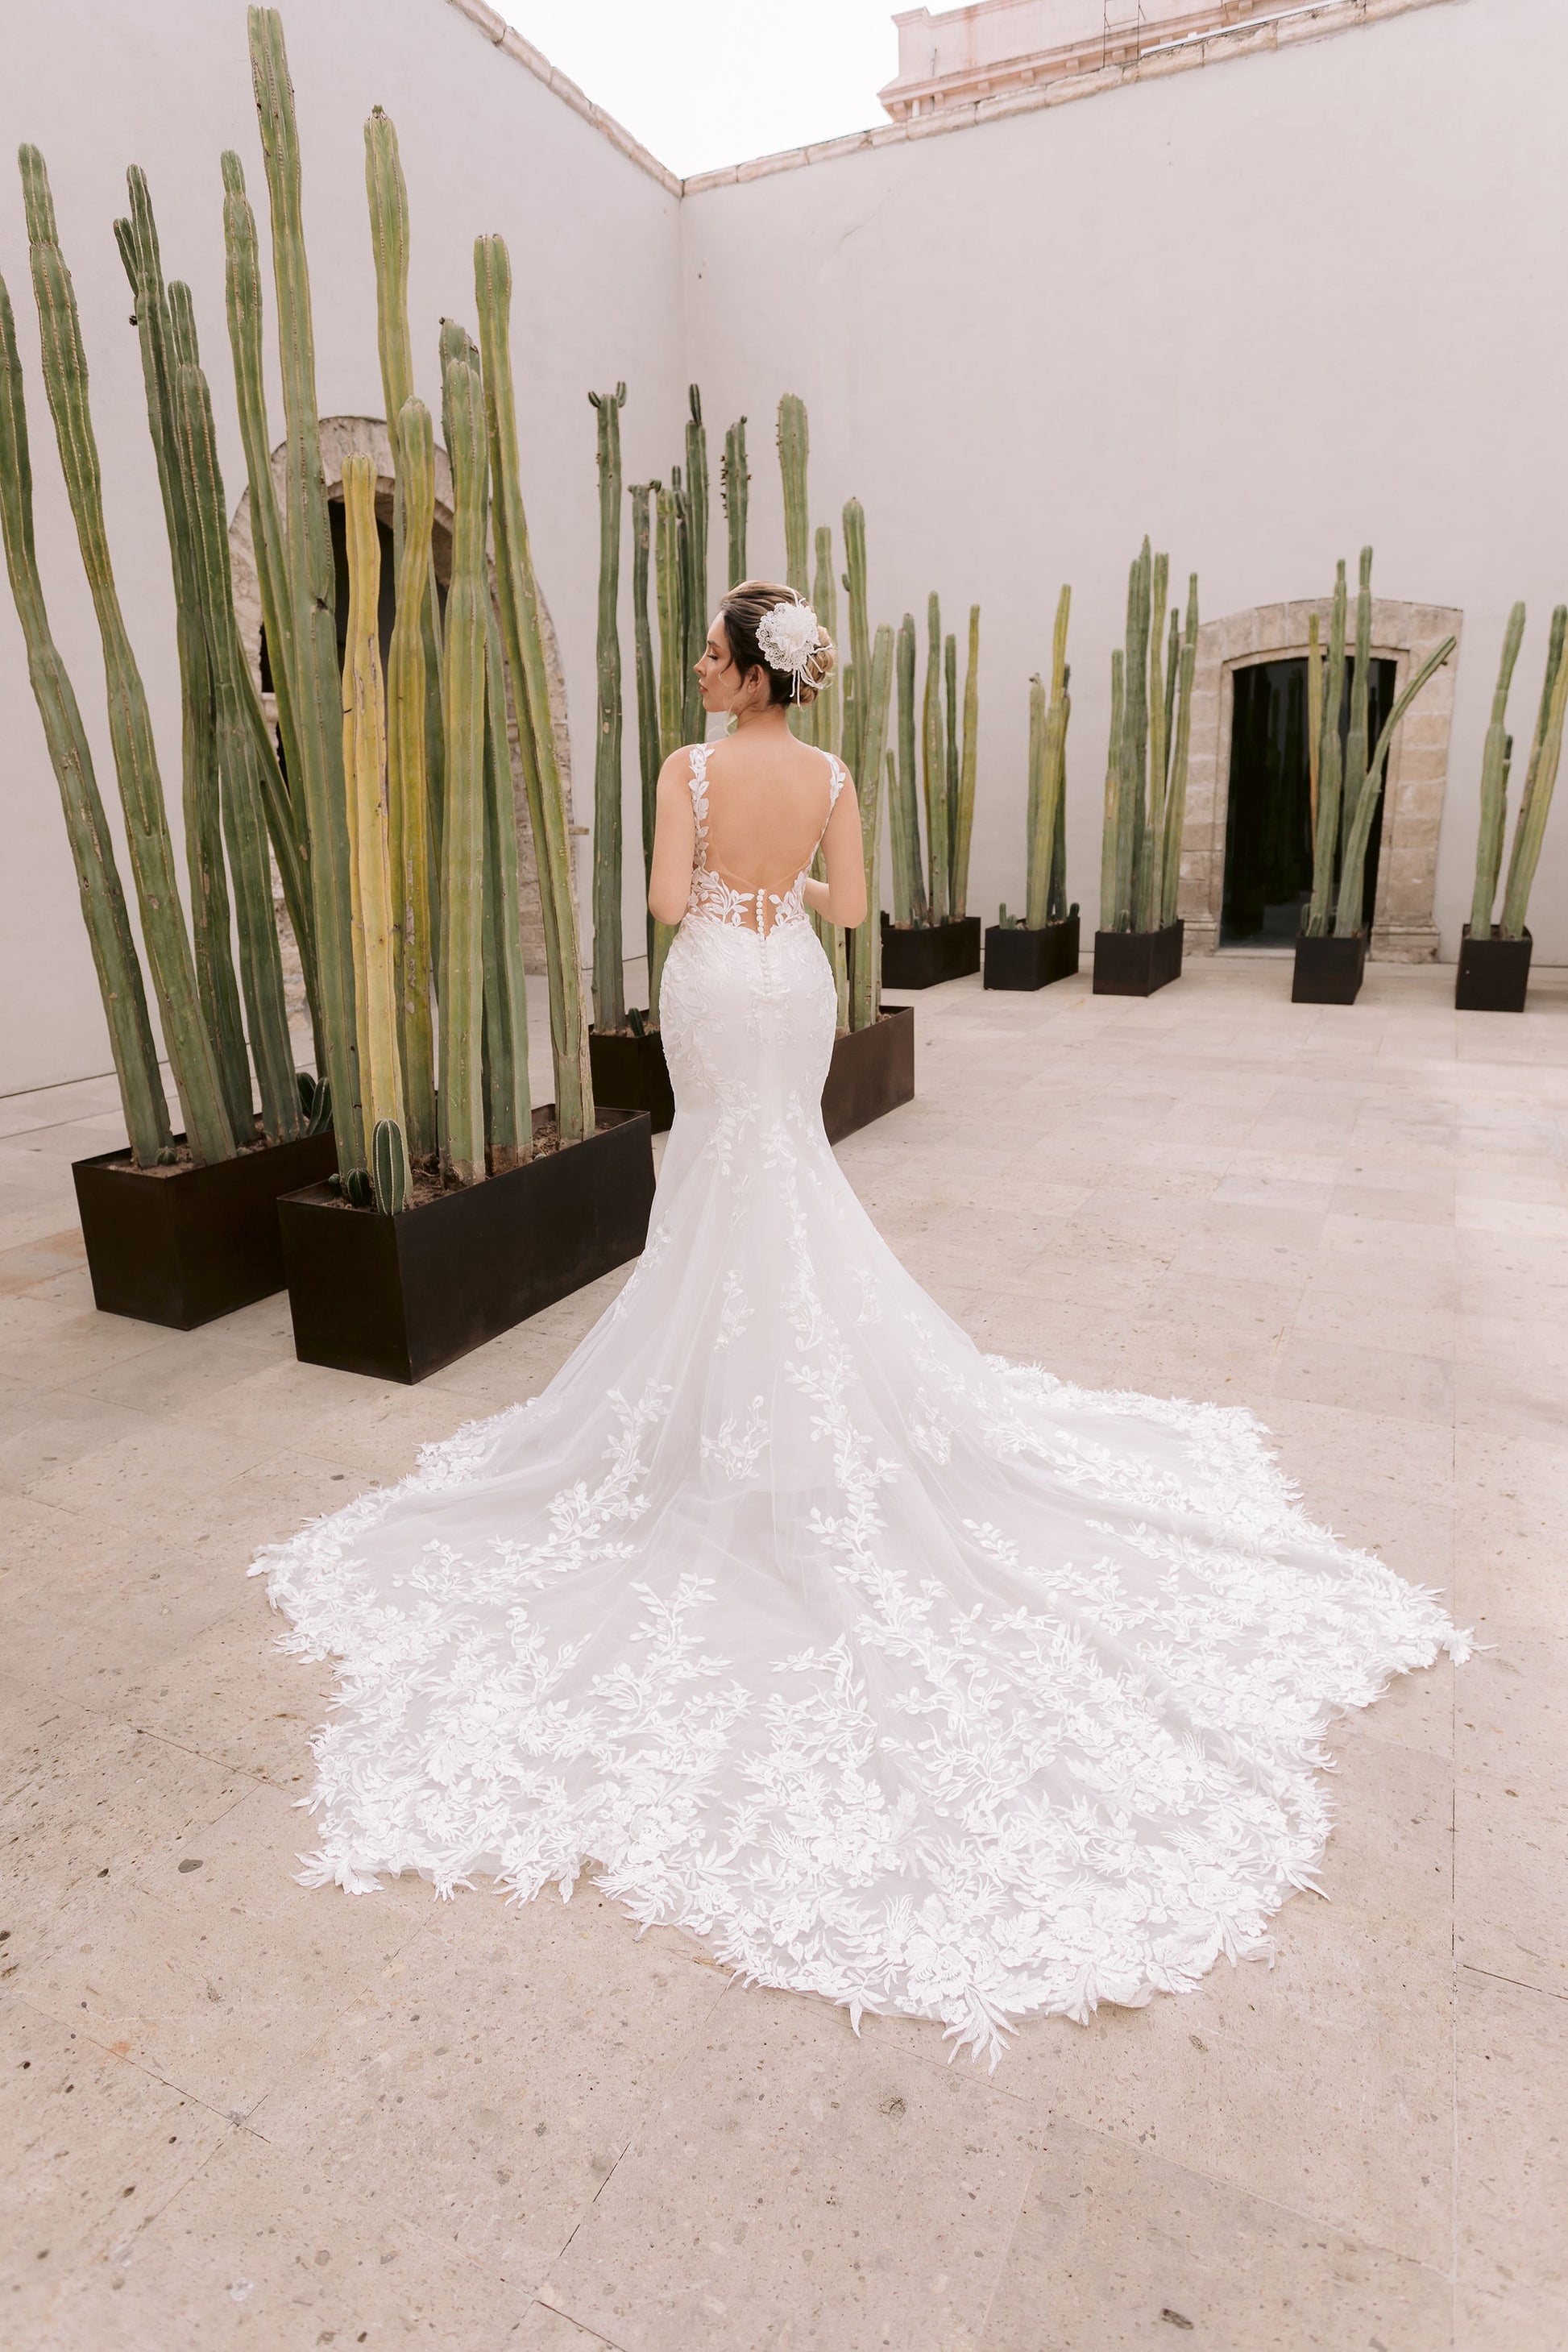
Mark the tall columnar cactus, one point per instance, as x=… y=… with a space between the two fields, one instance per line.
x=312 y=653
x=1037 y=867
x=827 y=731
x=609 y=978
x=668 y=564
x=969 y=757
x=1184 y=652
x=370 y=815
x=1111 y=829
x=508 y=1113
x=649 y=755
x=950 y=762
x=243 y=752
x=1048 y=776
x=1495 y=762
x=1358 y=828
x=92 y=851
x=1535 y=801
x=388 y=196
x=1331 y=770
x=734 y=484
x=933 y=768
x=910 y=905
x=211 y=919
x=1148 y=881
x=208 y=1127
x=794 y=450
x=697 y=514
x=407 y=780
x=1357 y=747
x=531 y=690
x=461 y=991
x=1314 y=713
x=865 y=992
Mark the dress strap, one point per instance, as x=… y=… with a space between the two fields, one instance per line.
x=839 y=773
x=698 y=780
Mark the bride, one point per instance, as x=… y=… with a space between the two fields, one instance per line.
x=894 y=1671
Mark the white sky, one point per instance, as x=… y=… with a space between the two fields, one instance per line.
x=707 y=82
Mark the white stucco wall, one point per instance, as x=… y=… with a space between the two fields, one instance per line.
x=595 y=247
x=1266 y=311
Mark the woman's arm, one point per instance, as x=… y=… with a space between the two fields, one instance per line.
x=842 y=897
x=674 y=841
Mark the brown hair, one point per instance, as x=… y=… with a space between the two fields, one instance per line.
x=742 y=611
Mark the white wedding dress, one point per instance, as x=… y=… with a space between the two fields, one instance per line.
x=894 y=1671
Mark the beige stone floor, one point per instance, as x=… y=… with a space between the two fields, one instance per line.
x=239 y=2114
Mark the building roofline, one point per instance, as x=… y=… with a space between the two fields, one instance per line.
x=505 y=36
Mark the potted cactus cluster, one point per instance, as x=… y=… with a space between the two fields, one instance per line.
x=459 y=1205
x=1138 y=947
x=1346 y=789
x=931 y=937
x=1494 y=958
x=1031 y=950
x=872 y=1069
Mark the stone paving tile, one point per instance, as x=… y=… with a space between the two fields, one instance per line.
x=1513 y=2157
x=1510 y=1792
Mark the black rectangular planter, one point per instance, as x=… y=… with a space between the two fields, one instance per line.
x=872 y=1072
x=1327 y=972
x=629 y=1074
x=398 y=1298
x=1493 y=974
x=1135 y=963
x=184 y=1244
x=1018 y=958
x=922 y=955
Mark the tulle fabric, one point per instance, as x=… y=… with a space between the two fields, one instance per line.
x=896 y=1673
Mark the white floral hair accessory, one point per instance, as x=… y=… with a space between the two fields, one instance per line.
x=787 y=637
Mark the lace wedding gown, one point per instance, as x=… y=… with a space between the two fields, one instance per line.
x=895 y=1672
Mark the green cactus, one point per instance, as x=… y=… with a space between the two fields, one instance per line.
x=949 y=763
x=697 y=521
x=211 y=915
x=241 y=746
x=671 y=624
x=933 y=768
x=509 y=1107
x=1057 y=720
x=794 y=450
x=93 y=850
x=369 y=815
x=1315 y=714
x=1111 y=830
x=391 y=1180
x=1181 y=747
x=1535 y=801
x=963 y=825
x=311 y=656
x=650 y=756
x=734 y=482
x=1037 y=867
x=866 y=994
x=1358 y=829
x=1149 y=880
x=208 y=1127
x=1048 y=777
x=829 y=728
x=1357 y=747
x=547 y=806
x=1330 y=771
x=903 y=800
x=1494 y=784
x=414 y=439
x=387 y=192
x=1132 y=847
x=461 y=991
x=609 y=974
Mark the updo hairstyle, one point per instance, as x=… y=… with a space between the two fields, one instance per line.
x=743 y=613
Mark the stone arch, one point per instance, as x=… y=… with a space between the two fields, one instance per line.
x=346 y=436
x=1404 y=929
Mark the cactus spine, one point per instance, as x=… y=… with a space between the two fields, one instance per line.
x=525 y=656
x=696 y=575
x=903 y=800
x=609 y=983
x=734 y=482
x=1535 y=801
x=208 y=1129
x=406 y=779
x=92 y=852
x=1495 y=761
x=1186 y=652
x=369 y=829
x=964 y=825
x=934 y=767
x=313 y=654
x=461 y=991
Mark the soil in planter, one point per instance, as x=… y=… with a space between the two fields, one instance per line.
x=183 y=1161
x=429 y=1182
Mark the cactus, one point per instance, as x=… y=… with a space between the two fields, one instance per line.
x=210 y=920
x=696 y=516
x=92 y=851
x=734 y=482
x=866 y=994
x=547 y=807
x=829 y=731
x=1180 y=746
x=391 y=1181
x=509 y=1107
x=659 y=934
x=388 y=198
x=933 y=767
x=243 y=752
x=461 y=991
x=311 y=652
x=1315 y=714
x=1148 y=884
x=950 y=762
x=1495 y=761
x=413 y=440
x=1357 y=747
x=964 y=823
x=903 y=799
x=1047 y=778
x=671 y=624
x=609 y=981
x=1037 y=867
x=794 y=449
x=1110 y=831
x=208 y=1129
x=1535 y=801
x=1330 y=771
x=1358 y=828
x=369 y=816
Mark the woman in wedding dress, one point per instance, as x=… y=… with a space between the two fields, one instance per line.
x=894 y=1671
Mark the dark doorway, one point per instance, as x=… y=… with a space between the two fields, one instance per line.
x=388 y=599
x=1268 y=816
